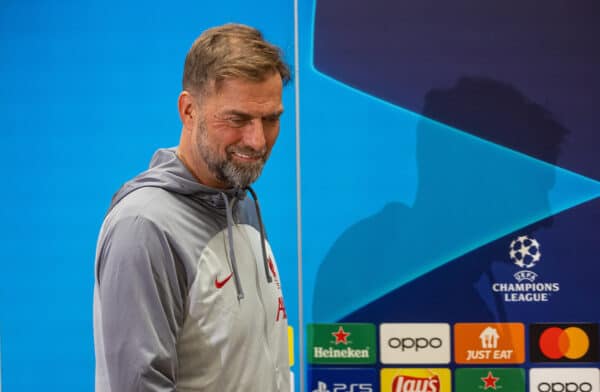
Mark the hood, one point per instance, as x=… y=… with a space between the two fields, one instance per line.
x=166 y=171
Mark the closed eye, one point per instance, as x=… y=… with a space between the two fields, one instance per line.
x=238 y=120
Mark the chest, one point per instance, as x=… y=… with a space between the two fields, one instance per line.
x=242 y=305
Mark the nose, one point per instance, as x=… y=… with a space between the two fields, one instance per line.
x=254 y=135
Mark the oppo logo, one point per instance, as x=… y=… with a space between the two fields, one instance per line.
x=565 y=387
x=564 y=379
x=415 y=344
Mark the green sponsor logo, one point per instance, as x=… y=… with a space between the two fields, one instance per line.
x=490 y=379
x=345 y=343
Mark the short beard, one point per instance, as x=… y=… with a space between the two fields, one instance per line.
x=224 y=168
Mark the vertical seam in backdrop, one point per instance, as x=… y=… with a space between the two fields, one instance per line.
x=298 y=198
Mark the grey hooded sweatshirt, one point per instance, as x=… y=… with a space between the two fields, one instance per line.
x=187 y=294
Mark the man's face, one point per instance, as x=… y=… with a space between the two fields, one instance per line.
x=236 y=130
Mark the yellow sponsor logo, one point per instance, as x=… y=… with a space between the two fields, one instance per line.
x=291 y=345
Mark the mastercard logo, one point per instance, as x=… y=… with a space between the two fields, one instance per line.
x=564 y=342
x=571 y=343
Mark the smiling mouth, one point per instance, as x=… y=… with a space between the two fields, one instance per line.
x=247 y=157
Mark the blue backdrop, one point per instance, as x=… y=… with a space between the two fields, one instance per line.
x=88 y=91
x=433 y=134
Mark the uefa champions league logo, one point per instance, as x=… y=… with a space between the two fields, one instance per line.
x=525 y=253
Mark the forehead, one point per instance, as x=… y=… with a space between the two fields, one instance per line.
x=260 y=97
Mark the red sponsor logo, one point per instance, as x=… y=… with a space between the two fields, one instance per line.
x=571 y=343
x=416 y=384
x=341 y=336
x=220 y=283
x=281 y=310
x=490 y=381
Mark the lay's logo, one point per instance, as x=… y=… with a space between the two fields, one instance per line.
x=415 y=380
x=420 y=384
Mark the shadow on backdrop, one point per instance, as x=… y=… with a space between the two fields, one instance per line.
x=470 y=192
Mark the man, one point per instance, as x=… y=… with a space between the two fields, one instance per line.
x=187 y=294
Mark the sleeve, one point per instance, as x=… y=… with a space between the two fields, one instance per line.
x=141 y=287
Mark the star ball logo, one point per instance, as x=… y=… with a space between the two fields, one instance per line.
x=345 y=343
x=490 y=379
x=577 y=342
x=525 y=253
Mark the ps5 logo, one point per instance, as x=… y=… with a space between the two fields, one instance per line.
x=341 y=387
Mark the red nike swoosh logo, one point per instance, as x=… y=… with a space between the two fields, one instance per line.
x=220 y=283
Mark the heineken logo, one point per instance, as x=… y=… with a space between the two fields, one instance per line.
x=344 y=343
x=341 y=336
x=320 y=352
x=490 y=379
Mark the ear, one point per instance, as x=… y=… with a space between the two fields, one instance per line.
x=187 y=109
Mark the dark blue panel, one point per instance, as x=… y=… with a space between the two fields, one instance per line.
x=403 y=51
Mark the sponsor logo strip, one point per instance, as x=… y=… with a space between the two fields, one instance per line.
x=415 y=380
x=409 y=343
x=490 y=379
x=564 y=380
x=576 y=342
x=341 y=343
x=489 y=343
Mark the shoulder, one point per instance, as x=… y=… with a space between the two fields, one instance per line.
x=151 y=203
x=183 y=225
x=133 y=236
x=139 y=218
